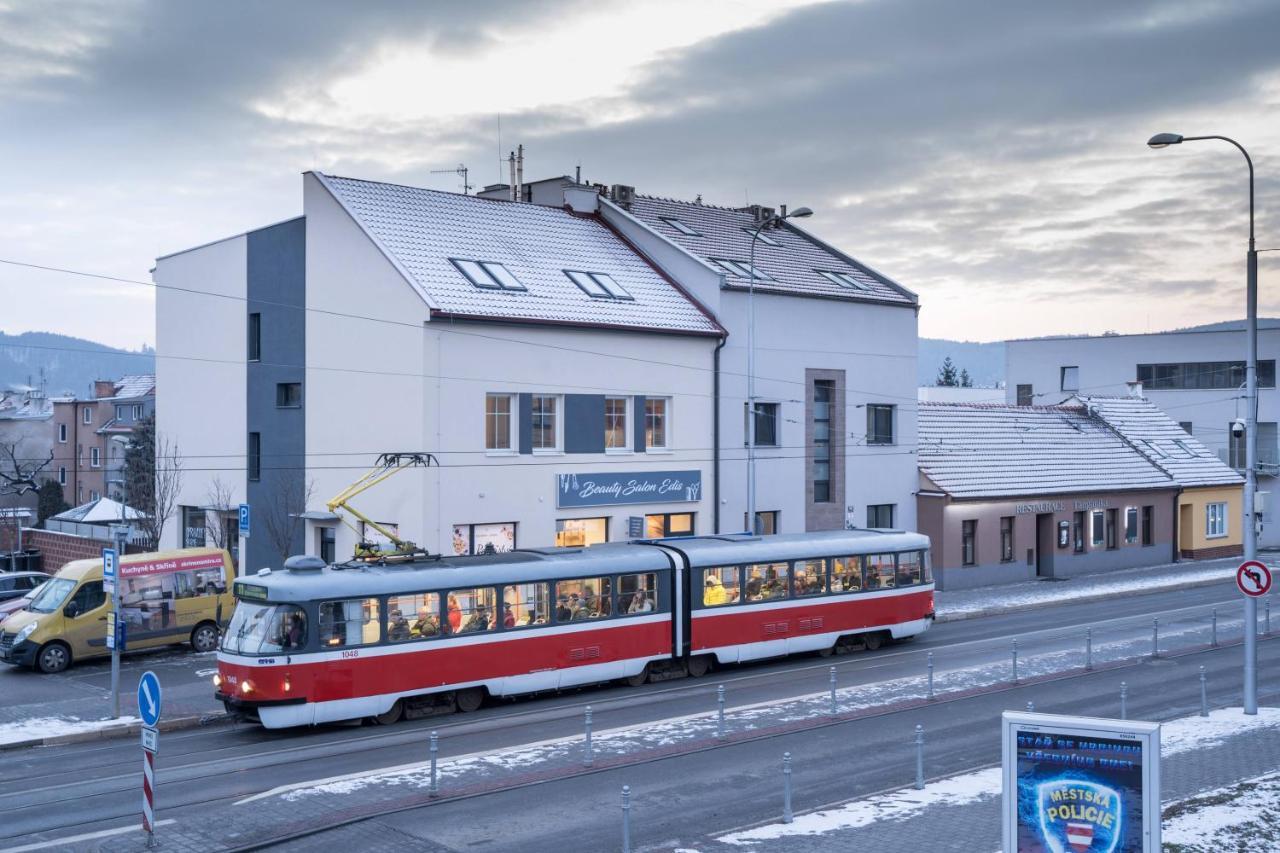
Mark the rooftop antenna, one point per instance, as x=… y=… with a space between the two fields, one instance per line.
x=577 y=174
x=461 y=170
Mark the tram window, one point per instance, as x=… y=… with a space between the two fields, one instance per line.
x=880 y=571
x=472 y=610
x=637 y=594
x=927 y=564
x=583 y=598
x=721 y=586
x=526 y=604
x=846 y=574
x=909 y=567
x=811 y=577
x=766 y=581
x=413 y=617
x=353 y=622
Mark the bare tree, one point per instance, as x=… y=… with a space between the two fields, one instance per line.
x=218 y=499
x=18 y=478
x=157 y=497
x=286 y=503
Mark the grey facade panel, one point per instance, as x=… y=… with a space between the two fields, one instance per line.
x=638 y=442
x=526 y=423
x=276 y=281
x=584 y=423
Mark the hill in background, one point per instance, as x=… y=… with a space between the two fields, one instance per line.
x=69 y=364
x=985 y=362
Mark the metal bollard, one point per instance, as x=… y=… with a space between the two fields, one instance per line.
x=587 y=757
x=1204 y=695
x=919 y=757
x=1266 y=607
x=1015 y=660
x=1214 y=635
x=835 y=709
x=626 y=819
x=720 y=721
x=433 y=790
x=1124 y=701
x=1155 y=636
x=930 y=676
x=1031 y=707
x=786 y=787
x=1088 y=649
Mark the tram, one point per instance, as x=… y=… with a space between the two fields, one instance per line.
x=314 y=643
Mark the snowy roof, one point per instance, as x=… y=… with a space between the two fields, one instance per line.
x=101 y=511
x=989 y=451
x=1162 y=441
x=792 y=264
x=135 y=385
x=423 y=231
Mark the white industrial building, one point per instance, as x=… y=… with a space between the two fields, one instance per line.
x=1194 y=375
x=560 y=357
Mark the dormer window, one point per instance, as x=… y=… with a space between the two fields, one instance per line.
x=740 y=269
x=598 y=285
x=680 y=226
x=843 y=279
x=489 y=275
x=763 y=237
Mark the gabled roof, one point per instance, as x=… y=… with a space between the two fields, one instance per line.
x=996 y=450
x=724 y=232
x=101 y=511
x=1159 y=438
x=134 y=386
x=420 y=230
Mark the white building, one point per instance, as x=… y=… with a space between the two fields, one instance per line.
x=1194 y=375
x=561 y=361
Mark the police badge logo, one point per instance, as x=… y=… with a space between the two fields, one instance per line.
x=1078 y=816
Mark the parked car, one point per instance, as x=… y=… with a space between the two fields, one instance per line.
x=13 y=605
x=17 y=584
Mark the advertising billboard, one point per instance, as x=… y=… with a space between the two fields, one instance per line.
x=1080 y=784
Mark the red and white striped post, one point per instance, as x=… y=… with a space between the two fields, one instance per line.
x=149 y=795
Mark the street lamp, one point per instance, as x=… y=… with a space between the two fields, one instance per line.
x=1163 y=140
x=771 y=221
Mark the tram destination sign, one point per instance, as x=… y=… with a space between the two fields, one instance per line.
x=1080 y=784
x=628 y=487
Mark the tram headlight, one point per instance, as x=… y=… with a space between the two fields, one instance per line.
x=287 y=685
x=217 y=680
x=246 y=687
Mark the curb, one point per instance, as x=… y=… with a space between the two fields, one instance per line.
x=120 y=730
x=1084 y=599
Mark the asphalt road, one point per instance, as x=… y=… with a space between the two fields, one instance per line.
x=208 y=769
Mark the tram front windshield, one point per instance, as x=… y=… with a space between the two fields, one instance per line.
x=257 y=629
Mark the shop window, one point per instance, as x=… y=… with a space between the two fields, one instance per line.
x=846 y=574
x=910 y=568
x=580 y=532
x=637 y=594
x=969 y=542
x=810 y=577
x=880 y=571
x=583 y=598
x=668 y=524
x=415 y=616
x=720 y=586
x=1098 y=526
x=766 y=522
x=1112 y=517
x=657 y=413
x=880 y=424
x=1147 y=532
x=494 y=538
x=353 y=622
x=767 y=581
x=193 y=527
x=1215 y=520
x=546 y=422
x=880 y=515
x=526 y=604
x=1006 y=539
x=766 y=424
x=499 y=425
x=1131 y=525
x=616 y=436
x=471 y=611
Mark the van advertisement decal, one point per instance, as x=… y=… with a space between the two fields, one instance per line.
x=130 y=569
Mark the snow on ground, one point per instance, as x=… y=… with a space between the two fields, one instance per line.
x=1244 y=816
x=1189 y=733
x=897 y=806
x=35 y=728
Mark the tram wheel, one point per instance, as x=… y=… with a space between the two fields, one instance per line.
x=699 y=666
x=391 y=716
x=469 y=700
x=639 y=679
x=873 y=641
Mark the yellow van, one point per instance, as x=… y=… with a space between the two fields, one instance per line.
x=165 y=597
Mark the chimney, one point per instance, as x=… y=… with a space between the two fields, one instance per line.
x=511 y=164
x=519 y=173
x=103 y=388
x=1135 y=388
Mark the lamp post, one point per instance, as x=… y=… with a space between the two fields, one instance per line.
x=1163 y=140
x=771 y=221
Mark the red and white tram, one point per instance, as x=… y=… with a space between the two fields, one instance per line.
x=313 y=643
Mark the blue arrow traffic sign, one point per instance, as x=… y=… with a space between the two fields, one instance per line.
x=244 y=519
x=149 y=698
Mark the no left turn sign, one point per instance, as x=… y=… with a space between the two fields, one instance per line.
x=1253 y=578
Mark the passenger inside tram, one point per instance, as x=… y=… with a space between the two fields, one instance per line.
x=426 y=626
x=398 y=629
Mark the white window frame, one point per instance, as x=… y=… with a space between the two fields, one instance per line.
x=62 y=433
x=559 y=428
x=599 y=285
x=777 y=424
x=488 y=275
x=1215 y=520
x=87 y=417
x=1062 y=378
x=93 y=495
x=763 y=237
x=137 y=413
x=681 y=227
x=513 y=419
x=666 y=447
x=628 y=425
x=843 y=279
x=740 y=269
x=95 y=457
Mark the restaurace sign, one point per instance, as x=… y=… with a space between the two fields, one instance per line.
x=578 y=490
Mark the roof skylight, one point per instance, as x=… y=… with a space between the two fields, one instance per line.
x=679 y=226
x=489 y=275
x=598 y=285
x=740 y=269
x=843 y=279
x=763 y=237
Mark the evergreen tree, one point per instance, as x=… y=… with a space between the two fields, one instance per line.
x=140 y=467
x=965 y=381
x=947 y=374
x=49 y=501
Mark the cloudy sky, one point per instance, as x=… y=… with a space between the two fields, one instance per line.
x=988 y=154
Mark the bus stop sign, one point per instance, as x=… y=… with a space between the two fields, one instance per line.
x=1253 y=578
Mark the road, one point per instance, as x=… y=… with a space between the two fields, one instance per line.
x=203 y=771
